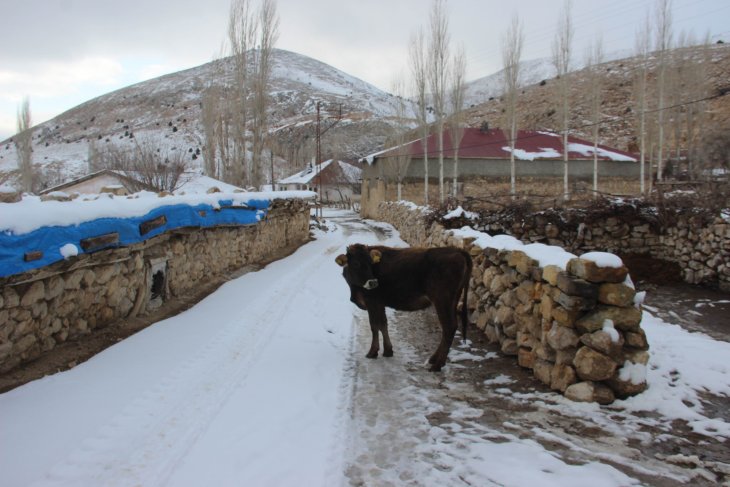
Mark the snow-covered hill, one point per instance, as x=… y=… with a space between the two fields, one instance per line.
x=532 y=71
x=166 y=111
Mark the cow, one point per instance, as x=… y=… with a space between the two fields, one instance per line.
x=408 y=279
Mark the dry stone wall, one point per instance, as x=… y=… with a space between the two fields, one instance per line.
x=578 y=329
x=702 y=251
x=48 y=306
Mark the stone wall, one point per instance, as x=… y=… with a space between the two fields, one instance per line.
x=578 y=329
x=699 y=249
x=51 y=305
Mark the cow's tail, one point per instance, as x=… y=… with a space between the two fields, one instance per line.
x=464 y=306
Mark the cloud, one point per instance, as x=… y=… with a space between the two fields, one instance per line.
x=57 y=79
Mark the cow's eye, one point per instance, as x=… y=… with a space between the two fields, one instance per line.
x=355 y=264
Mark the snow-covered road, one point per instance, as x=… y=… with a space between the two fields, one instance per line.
x=265 y=383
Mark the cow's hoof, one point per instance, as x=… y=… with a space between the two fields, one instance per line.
x=388 y=353
x=435 y=367
x=372 y=355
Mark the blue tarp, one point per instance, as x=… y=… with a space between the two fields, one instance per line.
x=49 y=240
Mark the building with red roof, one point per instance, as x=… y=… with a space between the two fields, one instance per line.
x=485 y=154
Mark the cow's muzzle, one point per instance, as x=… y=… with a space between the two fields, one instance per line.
x=371 y=284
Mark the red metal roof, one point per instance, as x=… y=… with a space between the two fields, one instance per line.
x=531 y=145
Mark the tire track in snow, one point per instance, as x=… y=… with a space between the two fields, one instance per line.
x=145 y=443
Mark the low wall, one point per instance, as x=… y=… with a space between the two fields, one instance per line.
x=700 y=249
x=42 y=308
x=578 y=328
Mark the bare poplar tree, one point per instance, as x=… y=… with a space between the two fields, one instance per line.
x=642 y=46
x=399 y=162
x=595 y=96
x=456 y=120
x=418 y=64
x=698 y=88
x=268 y=21
x=211 y=121
x=511 y=54
x=663 y=44
x=438 y=68
x=23 y=144
x=242 y=32
x=561 y=59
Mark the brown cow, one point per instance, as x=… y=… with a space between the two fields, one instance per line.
x=408 y=280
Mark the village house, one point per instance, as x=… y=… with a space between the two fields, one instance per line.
x=339 y=181
x=124 y=182
x=484 y=166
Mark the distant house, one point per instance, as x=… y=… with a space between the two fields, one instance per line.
x=339 y=180
x=484 y=154
x=94 y=183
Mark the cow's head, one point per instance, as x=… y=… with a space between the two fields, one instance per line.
x=358 y=266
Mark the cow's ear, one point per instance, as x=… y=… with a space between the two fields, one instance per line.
x=341 y=260
x=375 y=256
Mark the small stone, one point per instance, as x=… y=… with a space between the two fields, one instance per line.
x=624 y=319
x=576 y=287
x=561 y=377
x=616 y=294
x=590 y=271
x=526 y=358
x=36 y=292
x=543 y=370
x=509 y=346
x=589 y=392
x=602 y=342
x=561 y=337
x=592 y=365
x=550 y=274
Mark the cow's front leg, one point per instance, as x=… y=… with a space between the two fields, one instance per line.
x=376 y=314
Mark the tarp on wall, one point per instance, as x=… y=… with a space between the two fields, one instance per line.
x=46 y=245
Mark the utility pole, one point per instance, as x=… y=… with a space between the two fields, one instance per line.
x=320 y=133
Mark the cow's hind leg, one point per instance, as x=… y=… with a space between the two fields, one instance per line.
x=387 y=346
x=447 y=318
x=378 y=323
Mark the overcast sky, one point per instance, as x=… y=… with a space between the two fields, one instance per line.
x=63 y=52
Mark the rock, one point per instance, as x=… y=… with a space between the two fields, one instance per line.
x=543 y=370
x=9 y=195
x=565 y=356
x=564 y=316
x=603 y=342
x=55 y=287
x=625 y=319
x=576 y=287
x=561 y=337
x=590 y=271
x=592 y=365
x=616 y=294
x=589 y=392
x=509 y=346
x=35 y=292
x=550 y=274
x=629 y=380
x=637 y=339
x=522 y=262
x=561 y=377
x=526 y=358
x=115 y=189
x=574 y=303
x=11 y=297
x=505 y=316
